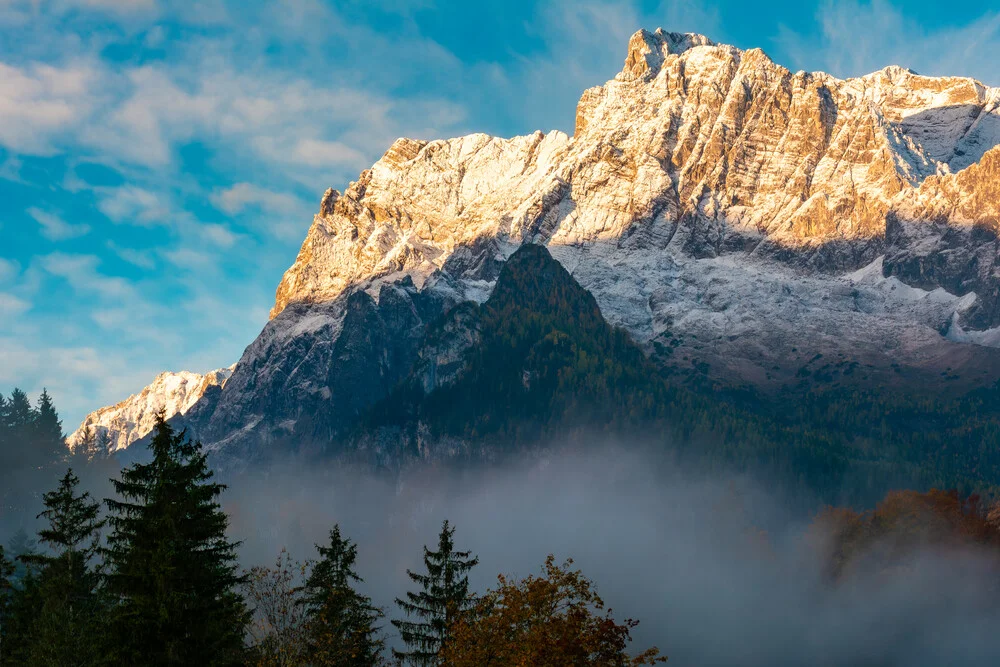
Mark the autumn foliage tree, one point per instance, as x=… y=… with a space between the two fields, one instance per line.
x=900 y=525
x=553 y=619
x=278 y=627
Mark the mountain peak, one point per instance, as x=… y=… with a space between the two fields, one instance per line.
x=714 y=204
x=647 y=50
x=127 y=421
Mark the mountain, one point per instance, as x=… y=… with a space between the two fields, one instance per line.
x=748 y=227
x=131 y=419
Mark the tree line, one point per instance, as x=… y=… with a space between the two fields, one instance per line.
x=154 y=580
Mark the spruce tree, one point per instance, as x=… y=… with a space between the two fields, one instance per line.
x=48 y=437
x=86 y=447
x=18 y=419
x=172 y=571
x=23 y=603
x=64 y=630
x=341 y=626
x=444 y=595
x=20 y=548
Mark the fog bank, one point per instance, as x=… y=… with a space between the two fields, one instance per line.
x=716 y=569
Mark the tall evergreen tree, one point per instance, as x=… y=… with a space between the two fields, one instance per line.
x=171 y=570
x=86 y=447
x=444 y=595
x=49 y=439
x=64 y=629
x=18 y=418
x=341 y=629
x=20 y=548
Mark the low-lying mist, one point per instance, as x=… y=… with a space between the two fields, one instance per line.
x=719 y=571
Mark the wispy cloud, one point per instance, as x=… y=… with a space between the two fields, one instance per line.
x=40 y=102
x=8 y=270
x=81 y=272
x=135 y=257
x=11 y=306
x=858 y=37
x=134 y=205
x=237 y=198
x=54 y=228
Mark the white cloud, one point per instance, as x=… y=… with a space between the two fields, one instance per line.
x=134 y=205
x=861 y=37
x=80 y=271
x=39 y=103
x=191 y=259
x=11 y=306
x=55 y=228
x=277 y=214
x=79 y=378
x=219 y=235
x=9 y=269
x=123 y=6
x=131 y=255
x=240 y=196
x=318 y=153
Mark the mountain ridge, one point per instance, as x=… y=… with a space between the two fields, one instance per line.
x=729 y=214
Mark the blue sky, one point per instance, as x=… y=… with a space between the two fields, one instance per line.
x=161 y=160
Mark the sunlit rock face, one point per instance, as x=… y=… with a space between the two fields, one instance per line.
x=716 y=204
x=118 y=426
x=694 y=150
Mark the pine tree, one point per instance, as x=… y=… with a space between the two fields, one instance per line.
x=86 y=447
x=172 y=571
x=23 y=602
x=341 y=628
x=48 y=437
x=18 y=418
x=444 y=596
x=64 y=629
x=20 y=548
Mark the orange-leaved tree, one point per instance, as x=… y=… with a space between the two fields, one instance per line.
x=555 y=619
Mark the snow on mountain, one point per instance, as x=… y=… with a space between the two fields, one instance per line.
x=749 y=216
x=131 y=419
x=721 y=146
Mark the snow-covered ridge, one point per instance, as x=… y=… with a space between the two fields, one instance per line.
x=741 y=151
x=125 y=422
x=716 y=204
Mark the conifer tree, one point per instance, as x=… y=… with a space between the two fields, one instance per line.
x=64 y=629
x=86 y=447
x=20 y=548
x=48 y=437
x=444 y=595
x=18 y=418
x=172 y=571
x=342 y=628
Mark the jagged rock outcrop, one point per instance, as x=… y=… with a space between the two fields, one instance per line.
x=119 y=425
x=695 y=146
x=718 y=206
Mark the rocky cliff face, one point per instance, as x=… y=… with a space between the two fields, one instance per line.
x=122 y=424
x=696 y=150
x=717 y=205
